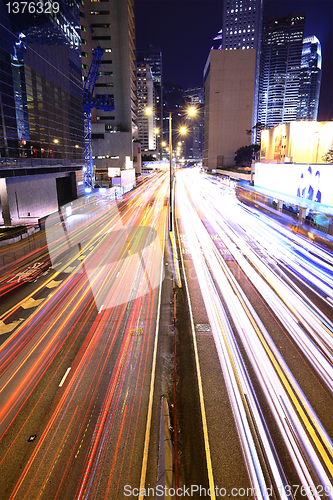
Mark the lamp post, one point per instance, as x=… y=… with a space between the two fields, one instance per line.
x=170 y=157
x=191 y=112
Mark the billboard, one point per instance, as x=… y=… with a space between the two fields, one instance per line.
x=308 y=182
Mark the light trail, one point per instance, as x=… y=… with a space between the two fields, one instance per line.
x=102 y=403
x=288 y=404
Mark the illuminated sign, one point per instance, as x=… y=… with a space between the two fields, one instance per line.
x=113 y=172
x=309 y=182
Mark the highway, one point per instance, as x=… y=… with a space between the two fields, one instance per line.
x=78 y=352
x=84 y=342
x=262 y=311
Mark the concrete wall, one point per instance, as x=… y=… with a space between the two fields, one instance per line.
x=228 y=104
x=26 y=199
x=31 y=198
x=137 y=160
x=114 y=145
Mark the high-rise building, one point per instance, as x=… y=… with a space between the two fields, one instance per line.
x=41 y=132
x=228 y=92
x=280 y=65
x=310 y=79
x=146 y=121
x=110 y=24
x=193 y=140
x=153 y=57
x=241 y=24
x=241 y=29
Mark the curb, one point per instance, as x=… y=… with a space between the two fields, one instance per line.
x=165 y=475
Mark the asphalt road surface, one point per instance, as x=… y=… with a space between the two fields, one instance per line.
x=78 y=352
x=262 y=329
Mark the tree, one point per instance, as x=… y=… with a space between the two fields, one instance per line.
x=328 y=156
x=245 y=153
x=258 y=127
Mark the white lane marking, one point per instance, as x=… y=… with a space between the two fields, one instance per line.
x=100 y=309
x=152 y=382
x=64 y=377
x=117 y=274
x=201 y=397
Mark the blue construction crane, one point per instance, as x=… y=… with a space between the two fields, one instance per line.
x=101 y=102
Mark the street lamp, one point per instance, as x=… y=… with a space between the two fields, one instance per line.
x=191 y=111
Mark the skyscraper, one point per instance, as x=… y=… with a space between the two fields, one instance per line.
x=146 y=122
x=280 y=65
x=113 y=28
x=228 y=93
x=153 y=57
x=310 y=79
x=241 y=24
x=41 y=133
x=241 y=29
x=173 y=101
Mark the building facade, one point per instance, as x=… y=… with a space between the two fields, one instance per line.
x=146 y=111
x=280 y=65
x=153 y=57
x=173 y=101
x=241 y=25
x=41 y=133
x=229 y=78
x=112 y=27
x=242 y=29
x=310 y=79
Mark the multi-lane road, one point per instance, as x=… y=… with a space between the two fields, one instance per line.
x=77 y=365
x=262 y=317
x=80 y=345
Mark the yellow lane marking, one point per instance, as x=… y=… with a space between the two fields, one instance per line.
x=202 y=404
x=69 y=269
x=53 y=284
x=287 y=384
x=31 y=302
x=152 y=382
x=10 y=327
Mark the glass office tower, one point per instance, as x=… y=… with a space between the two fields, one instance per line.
x=41 y=89
x=310 y=79
x=280 y=65
x=41 y=128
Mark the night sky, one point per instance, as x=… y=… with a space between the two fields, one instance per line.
x=184 y=30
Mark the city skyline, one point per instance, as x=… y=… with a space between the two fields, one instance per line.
x=185 y=31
